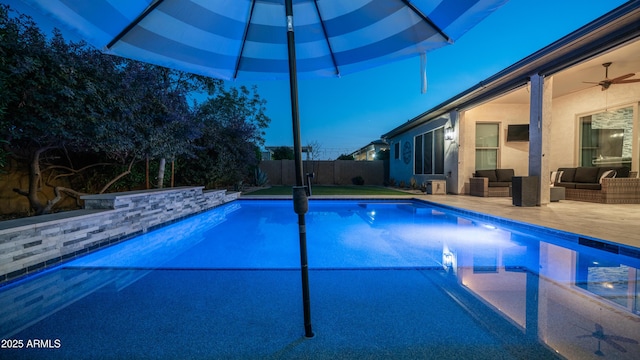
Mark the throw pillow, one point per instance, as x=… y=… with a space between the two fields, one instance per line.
x=607 y=174
x=555 y=178
x=568 y=174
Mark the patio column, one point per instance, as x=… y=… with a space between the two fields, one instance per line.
x=540 y=132
x=455 y=183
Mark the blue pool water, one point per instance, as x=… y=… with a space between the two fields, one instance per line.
x=388 y=279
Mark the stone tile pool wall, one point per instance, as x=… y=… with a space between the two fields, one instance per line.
x=22 y=306
x=31 y=244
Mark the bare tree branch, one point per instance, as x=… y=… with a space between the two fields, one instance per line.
x=21 y=192
x=58 y=190
x=125 y=173
x=71 y=171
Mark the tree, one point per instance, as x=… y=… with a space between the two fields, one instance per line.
x=345 y=157
x=53 y=99
x=69 y=112
x=315 y=149
x=232 y=126
x=283 y=153
x=382 y=155
x=169 y=128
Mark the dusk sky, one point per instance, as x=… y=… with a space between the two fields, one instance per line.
x=344 y=114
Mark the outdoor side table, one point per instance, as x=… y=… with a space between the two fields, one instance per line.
x=437 y=187
x=557 y=193
x=525 y=190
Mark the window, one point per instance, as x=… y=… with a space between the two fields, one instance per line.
x=487 y=145
x=429 y=152
x=396 y=150
x=606 y=138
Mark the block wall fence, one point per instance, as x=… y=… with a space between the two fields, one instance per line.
x=32 y=244
x=338 y=172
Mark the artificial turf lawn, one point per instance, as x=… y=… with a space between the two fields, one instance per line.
x=332 y=190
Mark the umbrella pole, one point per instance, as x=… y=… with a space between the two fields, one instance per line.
x=300 y=202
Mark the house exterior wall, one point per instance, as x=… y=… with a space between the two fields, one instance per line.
x=565 y=120
x=365 y=154
x=512 y=155
x=399 y=170
x=460 y=153
x=562 y=145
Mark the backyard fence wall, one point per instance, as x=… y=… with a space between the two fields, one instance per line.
x=338 y=172
x=31 y=244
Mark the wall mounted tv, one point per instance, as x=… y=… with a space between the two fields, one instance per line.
x=518 y=132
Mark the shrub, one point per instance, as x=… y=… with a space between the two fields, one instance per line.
x=413 y=183
x=358 y=180
x=423 y=187
x=261 y=177
x=345 y=157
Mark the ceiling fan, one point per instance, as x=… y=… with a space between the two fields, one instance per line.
x=606 y=83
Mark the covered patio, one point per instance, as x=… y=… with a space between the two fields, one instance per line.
x=576 y=115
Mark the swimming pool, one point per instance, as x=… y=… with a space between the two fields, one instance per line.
x=401 y=279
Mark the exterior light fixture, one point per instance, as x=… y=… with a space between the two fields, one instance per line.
x=447 y=259
x=448 y=133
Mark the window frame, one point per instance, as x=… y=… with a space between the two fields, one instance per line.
x=596 y=143
x=428 y=158
x=497 y=148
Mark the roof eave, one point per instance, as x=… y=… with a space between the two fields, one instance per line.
x=604 y=33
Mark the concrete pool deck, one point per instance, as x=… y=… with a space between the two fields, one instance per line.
x=616 y=223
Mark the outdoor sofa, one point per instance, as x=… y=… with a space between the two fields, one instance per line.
x=607 y=185
x=495 y=182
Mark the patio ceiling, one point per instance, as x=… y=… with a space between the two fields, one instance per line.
x=625 y=60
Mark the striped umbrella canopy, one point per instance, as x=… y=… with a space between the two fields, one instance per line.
x=247 y=39
x=254 y=39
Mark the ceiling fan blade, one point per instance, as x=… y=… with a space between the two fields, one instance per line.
x=591 y=82
x=614 y=80
x=627 y=81
x=615 y=345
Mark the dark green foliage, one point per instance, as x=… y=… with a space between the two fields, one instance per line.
x=69 y=112
x=358 y=180
x=261 y=178
x=283 y=153
x=382 y=155
x=4 y=155
x=232 y=125
x=345 y=157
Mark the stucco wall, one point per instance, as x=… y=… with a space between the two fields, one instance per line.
x=567 y=110
x=399 y=170
x=563 y=142
x=513 y=155
x=16 y=177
